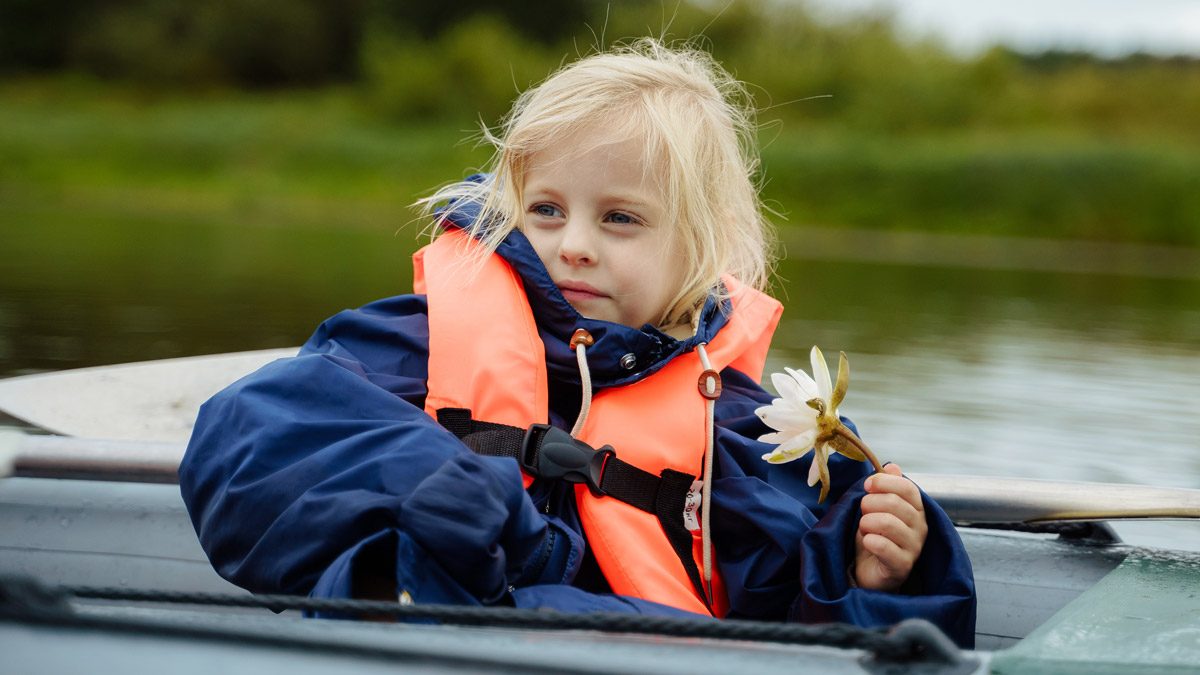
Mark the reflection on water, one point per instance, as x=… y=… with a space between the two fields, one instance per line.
x=1037 y=375
x=1011 y=373
x=1014 y=399
x=955 y=369
x=95 y=290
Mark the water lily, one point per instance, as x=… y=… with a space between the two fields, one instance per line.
x=805 y=418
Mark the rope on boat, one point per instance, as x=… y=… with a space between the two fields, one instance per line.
x=914 y=640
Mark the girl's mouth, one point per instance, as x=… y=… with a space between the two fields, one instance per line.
x=577 y=291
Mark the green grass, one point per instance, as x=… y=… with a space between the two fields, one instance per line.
x=1051 y=185
x=291 y=160
x=317 y=160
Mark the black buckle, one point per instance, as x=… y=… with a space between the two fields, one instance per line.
x=551 y=453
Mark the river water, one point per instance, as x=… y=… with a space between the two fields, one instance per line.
x=1008 y=371
x=973 y=364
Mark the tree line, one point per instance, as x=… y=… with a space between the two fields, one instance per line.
x=413 y=60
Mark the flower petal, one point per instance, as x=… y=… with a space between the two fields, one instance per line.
x=823 y=466
x=782 y=417
x=807 y=385
x=821 y=374
x=790 y=450
x=778 y=456
x=777 y=437
x=787 y=387
x=802 y=441
x=843 y=383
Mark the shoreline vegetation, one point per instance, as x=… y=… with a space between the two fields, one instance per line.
x=915 y=155
x=313 y=160
x=990 y=252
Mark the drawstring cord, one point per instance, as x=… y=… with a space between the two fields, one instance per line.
x=710 y=389
x=580 y=341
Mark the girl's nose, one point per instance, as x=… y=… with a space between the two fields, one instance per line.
x=577 y=246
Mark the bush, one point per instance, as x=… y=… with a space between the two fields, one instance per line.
x=473 y=71
x=172 y=43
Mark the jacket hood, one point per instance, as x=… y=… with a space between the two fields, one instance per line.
x=621 y=354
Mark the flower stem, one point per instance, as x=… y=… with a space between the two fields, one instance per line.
x=853 y=438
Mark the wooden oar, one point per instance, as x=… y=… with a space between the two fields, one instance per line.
x=37 y=456
x=153 y=400
x=983 y=499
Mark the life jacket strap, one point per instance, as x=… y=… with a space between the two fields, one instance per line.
x=549 y=453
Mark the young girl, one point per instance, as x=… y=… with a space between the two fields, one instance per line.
x=563 y=414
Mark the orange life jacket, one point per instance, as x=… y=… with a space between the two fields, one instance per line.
x=485 y=355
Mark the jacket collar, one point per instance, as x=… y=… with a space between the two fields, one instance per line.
x=643 y=351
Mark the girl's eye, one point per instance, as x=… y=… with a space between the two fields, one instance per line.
x=622 y=219
x=547 y=211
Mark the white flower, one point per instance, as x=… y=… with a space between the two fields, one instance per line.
x=805 y=418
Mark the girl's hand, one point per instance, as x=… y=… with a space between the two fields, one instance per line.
x=891 y=532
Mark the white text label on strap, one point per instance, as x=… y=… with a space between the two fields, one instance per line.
x=691 y=507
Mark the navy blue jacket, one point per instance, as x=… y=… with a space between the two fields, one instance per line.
x=322 y=468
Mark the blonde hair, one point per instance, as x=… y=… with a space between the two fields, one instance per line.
x=694 y=117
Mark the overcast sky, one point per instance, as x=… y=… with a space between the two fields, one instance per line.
x=1110 y=27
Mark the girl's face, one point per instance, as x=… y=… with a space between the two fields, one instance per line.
x=595 y=217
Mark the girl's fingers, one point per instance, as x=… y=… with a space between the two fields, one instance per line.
x=893 y=529
x=896 y=562
x=887 y=502
x=894 y=483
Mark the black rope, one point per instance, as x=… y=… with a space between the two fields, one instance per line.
x=837 y=635
x=27 y=602
x=908 y=641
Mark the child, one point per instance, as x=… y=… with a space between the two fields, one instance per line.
x=606 y=265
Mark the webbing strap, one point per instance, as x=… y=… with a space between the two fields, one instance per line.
x=672 y=497
x=632 y=485
x=663 y=496
x=483 y=438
